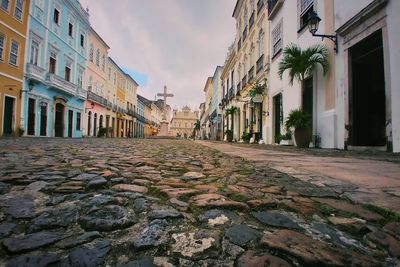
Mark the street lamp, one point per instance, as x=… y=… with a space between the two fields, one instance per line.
x=313 y=25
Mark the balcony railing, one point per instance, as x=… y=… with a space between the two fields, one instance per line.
x=231 y=92
x=251 y=74
x=109 y=105
x=244 y=81
x=260 y=5
x=59 y=83
x=239 y=45
x=81 y=93
x=244 y=33
x=34 y=72
x=130 y=112
x=251 y=20
x=260 y=63
x=96 y=98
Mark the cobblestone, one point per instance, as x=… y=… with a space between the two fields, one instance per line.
x=115 y=202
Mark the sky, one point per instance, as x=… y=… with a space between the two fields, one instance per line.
x=177 y=43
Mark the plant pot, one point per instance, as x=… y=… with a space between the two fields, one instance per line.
x=286 y=143
x=303 y=137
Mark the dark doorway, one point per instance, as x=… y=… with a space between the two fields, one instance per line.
x=43 y=120
x=277 y=116
x=113 y=127
x=31 y=116
x=8 y=115
x=307 y=97
x=107 y=125
x=59 y=121
x=89 y=123
x=70 y=122
x=367 y=105
x=95 y=125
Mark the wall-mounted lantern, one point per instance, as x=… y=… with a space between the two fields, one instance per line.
x=313 y=25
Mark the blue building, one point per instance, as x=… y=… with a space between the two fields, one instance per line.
x=216 y=113
x=140 y=119
x=53 y=96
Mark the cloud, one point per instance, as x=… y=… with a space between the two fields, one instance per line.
x=177 y=43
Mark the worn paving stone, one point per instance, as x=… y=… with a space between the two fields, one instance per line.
x=55 y=218
x=29 y=260
x=216 y=201
x=254 y=259
x=20 y=207
x=151 y=236
x=31 y=241
x=242 y=235
x=130 y=188
x=6 y=229
x=76 y=240
x=164 y=214
x=90 y=255
x=277 y=219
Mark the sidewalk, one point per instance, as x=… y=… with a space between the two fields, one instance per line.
x=365 y=178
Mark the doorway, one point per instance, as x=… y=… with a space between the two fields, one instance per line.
x=59 y=121
x=95 y=125
x=31 y=116
x=277 y=116
x=43 y=120
x=70 y=123
x=8 y=118
x=308 y=98
x=367 y=107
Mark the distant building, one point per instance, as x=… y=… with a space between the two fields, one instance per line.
x=183 y=122
x=13 y=31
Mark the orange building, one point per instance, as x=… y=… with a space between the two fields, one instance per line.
x=13 y=32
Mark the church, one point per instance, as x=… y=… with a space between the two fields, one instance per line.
x=183 y=122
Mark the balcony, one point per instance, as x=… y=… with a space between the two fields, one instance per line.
x=231 y=92
x=245 y=34
x=96 y=98
x=239 y=45
x=238 y=88
x=34 y=72
x=251 y=21
x=59 y=83
x=260 y=5
x=260 y=63
x=114 y=108
x=251 y=74
x=81 y=93
x=273 y=7
x=109 y=105
x=244 y=81
x=130 y=112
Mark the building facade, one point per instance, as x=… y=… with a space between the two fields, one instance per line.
x=13 y=34
x=98 y=105
x=183 y=122
x=215 y=109
x=54 y=95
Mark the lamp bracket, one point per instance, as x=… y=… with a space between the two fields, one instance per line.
x=333 y=38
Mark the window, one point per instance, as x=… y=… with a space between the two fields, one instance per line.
x=82 y=40
x=56 y=16
x=5 y=4
x=34 y=52
x=306 y=7
x=18 y=9
x=277 y=39
x=78 y=121
x=52 y=62
x=80 y=78
x=260 y=43
x=98 y=57
x=91 y=53
x=103 y=62
x=14 y=53
x=1 y=46
x=251 y=55
x=67 y=73
x=70 y=29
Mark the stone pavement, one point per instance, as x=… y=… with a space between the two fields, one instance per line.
x=114 y=202
x=367 y=178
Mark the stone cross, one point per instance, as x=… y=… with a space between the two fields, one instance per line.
x=165 y=95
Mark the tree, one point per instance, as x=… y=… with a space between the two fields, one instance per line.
x=231 y=111
x=301 y=63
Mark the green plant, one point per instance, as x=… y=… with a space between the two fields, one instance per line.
x=246 y=137
x=231 y=111
x=229 y=135
x=102 y=132
x=287 y=136
x=258 y=89
x=298 y=118
x=278 y=138
x=301 y=63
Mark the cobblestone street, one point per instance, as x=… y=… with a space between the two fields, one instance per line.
x=114 y=202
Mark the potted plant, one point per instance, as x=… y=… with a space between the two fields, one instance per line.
x=246 y=137
x=301 y=122
x=229 y=135
x=286 y=139
x=257 y=91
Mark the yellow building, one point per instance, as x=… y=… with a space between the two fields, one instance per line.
x=183 y=122
x=13 y=32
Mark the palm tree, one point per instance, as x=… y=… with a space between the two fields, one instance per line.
x=231 y=111
x=301 y=63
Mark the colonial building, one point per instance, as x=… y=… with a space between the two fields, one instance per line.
x=246 y=65
x=98 y=105
x=54 y=95
x=183 y=122
x=215 y=109
x=208 y=92
x=144 y=122
x=13 y=33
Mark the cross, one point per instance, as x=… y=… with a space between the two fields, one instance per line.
x=165 y=95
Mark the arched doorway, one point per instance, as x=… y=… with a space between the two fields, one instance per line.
x=59 y=120
x=95 y=125
x=89 y=127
